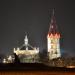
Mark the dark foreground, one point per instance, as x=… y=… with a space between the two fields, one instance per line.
x=33 y=67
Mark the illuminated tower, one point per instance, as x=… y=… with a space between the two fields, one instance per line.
x=26 y=42
x=53 y=40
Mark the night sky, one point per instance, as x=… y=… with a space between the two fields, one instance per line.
x=33 y=17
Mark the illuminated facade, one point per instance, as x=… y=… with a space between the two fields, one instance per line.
x=8 y=59
x=53 y=40
x=27 y=56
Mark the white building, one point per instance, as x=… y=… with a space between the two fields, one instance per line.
x=28 y=56
x=53 y=40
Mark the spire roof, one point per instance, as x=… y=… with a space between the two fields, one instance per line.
x=53 y=25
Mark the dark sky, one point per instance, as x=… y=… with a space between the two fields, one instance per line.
x=33 y=17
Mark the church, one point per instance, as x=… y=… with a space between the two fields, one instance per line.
x=53 y=45
x=27 y=55
x=53 y=39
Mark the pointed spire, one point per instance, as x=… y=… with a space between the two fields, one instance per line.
x=53 y=12
x=53 y=26
x=53 y=20
x=26 y=39
x=25 y=33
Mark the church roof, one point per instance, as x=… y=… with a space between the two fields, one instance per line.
x=53 y=26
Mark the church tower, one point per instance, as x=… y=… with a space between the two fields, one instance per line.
x=53 y=40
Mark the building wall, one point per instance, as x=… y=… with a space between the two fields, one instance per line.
x=53 y=45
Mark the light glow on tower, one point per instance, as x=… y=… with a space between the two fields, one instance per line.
x=53 y=40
